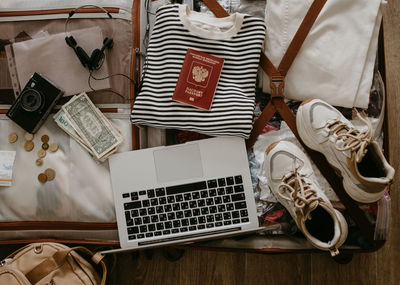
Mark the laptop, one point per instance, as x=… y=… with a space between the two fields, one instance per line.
x=183 y=193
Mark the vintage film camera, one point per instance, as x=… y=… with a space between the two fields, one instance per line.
x=34 y=104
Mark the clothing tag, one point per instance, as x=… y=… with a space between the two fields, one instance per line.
x=198 y=79
x=6 y=166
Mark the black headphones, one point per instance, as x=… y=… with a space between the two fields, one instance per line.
x=96 y=59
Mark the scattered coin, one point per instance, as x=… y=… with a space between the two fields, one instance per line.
x=50 y=174
x=29 y=145
x=45 y=146
x=42 y=178
x=41 y=153
x=28 y=137
x=45 y=138
x=12 y=138
x=53 y=147
x=39 y=162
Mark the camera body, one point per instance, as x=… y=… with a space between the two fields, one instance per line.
x=34 y=104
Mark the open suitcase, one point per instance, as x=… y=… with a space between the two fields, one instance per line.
x=129 y=33
x=35 y=222
x=370 y=235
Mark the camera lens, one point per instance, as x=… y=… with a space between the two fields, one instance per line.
x=31 y=100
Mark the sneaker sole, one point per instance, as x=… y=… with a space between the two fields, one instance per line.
x=352 y=190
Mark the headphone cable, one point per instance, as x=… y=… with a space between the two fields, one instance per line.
x=110 y=90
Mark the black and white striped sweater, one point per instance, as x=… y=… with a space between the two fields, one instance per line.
x=238 y=39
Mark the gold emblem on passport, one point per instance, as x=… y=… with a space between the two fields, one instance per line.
x=199 y=73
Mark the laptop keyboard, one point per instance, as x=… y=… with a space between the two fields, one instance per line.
x=185 y=208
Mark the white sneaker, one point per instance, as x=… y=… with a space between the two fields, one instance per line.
x=354 y=154
x=291 y=179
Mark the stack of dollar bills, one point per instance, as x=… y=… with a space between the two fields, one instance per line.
x=85 y=123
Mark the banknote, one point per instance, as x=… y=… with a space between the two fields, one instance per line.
x=91 y=125
x=64 y=123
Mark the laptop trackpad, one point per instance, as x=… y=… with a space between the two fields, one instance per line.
x=177 y=163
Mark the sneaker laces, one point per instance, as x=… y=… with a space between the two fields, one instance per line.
x=353 y=139
x=300 y=192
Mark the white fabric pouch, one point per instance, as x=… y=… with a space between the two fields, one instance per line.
x=53 y=58
x=337 y=58
x=81 y=190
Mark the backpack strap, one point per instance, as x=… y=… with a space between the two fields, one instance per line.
x=52 y=263
x=277 y=83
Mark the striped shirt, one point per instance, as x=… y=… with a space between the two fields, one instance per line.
x=238 y=39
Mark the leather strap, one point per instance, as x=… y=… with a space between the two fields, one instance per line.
x=58 y=259
x=135 y=61
x=216 y=8
x=47 y=266
x=300 y=36
x=277 y=77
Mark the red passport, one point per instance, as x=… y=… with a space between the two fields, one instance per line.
x=198 y=79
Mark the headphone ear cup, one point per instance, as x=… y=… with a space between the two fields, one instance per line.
x=107 y=43
x=71 y=42
x=98 y=54
x=82 y=55
x=95 y=58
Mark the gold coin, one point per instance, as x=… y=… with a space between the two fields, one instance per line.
x=12 y=138
x=28 y=137
x=29 y=145
x=41 y=153
x=39 y=162
x=50 y=173
x=53 y=147
x=45 y=146
x=45 y=138
x=42 y=178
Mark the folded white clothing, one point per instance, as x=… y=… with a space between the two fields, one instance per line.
x=337 y=58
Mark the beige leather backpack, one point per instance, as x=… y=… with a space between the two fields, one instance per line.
x=51 y=264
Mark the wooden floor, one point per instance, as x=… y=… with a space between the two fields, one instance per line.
x=207 y=267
